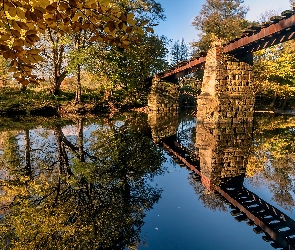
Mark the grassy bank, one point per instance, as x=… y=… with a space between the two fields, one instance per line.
x=14 y=102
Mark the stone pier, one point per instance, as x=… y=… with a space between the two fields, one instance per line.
x=227 y=90
x=164 y=95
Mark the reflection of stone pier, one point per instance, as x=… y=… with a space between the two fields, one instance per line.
x=163 y=124
x=227 y=92
x=223 y=150
x=164 y=95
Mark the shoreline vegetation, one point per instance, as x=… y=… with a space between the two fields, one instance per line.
x=14 y=102
x=51 y=65
x=31 y=103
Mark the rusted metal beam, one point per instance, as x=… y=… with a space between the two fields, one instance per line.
x=265 y=34
x=191 y=66
x=280 y=31
x=267 y=42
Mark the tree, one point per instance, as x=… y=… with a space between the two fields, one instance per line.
x=67 y=53
x=274 y=69
x=274 y=72
x=222 y=19
x=123 y=71
x=54 y=47
x=126 y=70
x=179 y=52
x=4 y=74
x=22 y=21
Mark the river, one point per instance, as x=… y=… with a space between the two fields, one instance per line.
x=138 y=181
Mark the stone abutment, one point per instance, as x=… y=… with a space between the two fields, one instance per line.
x=227 y=90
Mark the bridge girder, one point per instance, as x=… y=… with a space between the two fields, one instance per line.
x=281 y=30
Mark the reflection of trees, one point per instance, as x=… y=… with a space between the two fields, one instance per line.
x=186 y=133
x=273 y=159
x=86 y=195
x=210 y=199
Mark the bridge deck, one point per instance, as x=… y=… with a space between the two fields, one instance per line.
x=281 y=29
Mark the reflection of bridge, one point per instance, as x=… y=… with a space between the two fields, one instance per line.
x=246 y=205
x=217 y=154
x=227 y=87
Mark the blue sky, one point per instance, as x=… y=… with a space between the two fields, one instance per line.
x=180 y=14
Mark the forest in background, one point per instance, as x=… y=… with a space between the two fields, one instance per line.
x=81 y=67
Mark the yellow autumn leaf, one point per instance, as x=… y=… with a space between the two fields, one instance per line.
x=5 y=37
x=126 y=42
x=107 y=30
x=43 y=3
x=15 y=33
x=12 y=11
x=63 y=6
x=38 y=58
x=12 y=69
x=89 y=3
x=22 y=25
x=139 y=31
x=18 y=42
x=130 y=16
x=76 y=17
x=131 y=22
x=148 y=29
x=20 y=13
x=35 y=51
x=104 y=2
x=15 y=25
x=31 y=25
x=104 y=8
x=17 y=74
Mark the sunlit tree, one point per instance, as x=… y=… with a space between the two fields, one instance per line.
x=220 y=19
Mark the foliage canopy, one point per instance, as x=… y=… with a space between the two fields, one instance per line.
x=22 y=21
x=223 y=19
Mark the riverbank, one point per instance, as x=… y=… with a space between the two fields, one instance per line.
x=14 y=102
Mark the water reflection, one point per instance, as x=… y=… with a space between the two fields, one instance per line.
x=272 y=162
x=87 y=184
x=219 y=168
x=78 y=186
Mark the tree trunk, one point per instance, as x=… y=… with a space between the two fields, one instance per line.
x=80 y=140
x=273 y=101
x=285 y=103
x=63 y=160
x=78 y=86
x=57 y=83
x=28 y=167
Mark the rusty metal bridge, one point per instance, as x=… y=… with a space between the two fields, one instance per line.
x=278 y=228
x=279 y=29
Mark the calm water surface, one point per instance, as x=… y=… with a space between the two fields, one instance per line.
x=114 y=184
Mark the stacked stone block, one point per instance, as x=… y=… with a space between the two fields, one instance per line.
x=223 y=150
x=227 y=89
x=163 y=125
x=164 y=96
